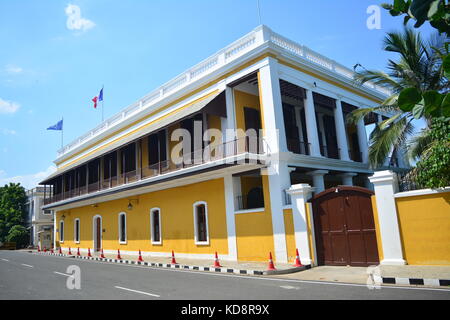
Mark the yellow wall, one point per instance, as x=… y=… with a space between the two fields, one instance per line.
x=377 y=228
x=177 y=220
x=424 y=223
x=290 y=235
x=254 y=231
x=243 y=99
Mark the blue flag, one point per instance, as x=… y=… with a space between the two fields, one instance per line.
x=100 y=95
x=58 y=126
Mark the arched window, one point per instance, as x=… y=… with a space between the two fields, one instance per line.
x=122 y=228
x=76 y=232
x=61 y=231
x=201 y=223
x=155 y=226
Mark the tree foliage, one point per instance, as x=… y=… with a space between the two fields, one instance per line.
x=12 y=208
x=18 y=234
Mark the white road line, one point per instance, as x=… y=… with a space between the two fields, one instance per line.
x=27 y=265
x=317 y=282
x=5 y=260
x=63 y=274
x=141 y=292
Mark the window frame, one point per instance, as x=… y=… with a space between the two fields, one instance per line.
x=151 y=226
x=195 y=205
x=120 y=225
x=75 y=230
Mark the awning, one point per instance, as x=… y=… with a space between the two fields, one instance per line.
x=213 y=103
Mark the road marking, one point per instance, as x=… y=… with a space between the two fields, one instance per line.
x=63 y=274
x=317 y=282
x=290 y=287
x=141 y=292
x=5 y=260
x=27 y=265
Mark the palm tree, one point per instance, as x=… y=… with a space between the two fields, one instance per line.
x=419 y=66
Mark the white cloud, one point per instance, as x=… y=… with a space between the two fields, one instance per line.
x=8 y=132
x=8 y=106
x=75 y=21
x=28 y=181
x=12 y=69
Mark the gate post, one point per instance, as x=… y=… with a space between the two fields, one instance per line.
x=385 y=185
x=300 y=194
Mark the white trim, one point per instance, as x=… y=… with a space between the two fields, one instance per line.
x=75 y=230
x=256 y=210
x=63 y=231
x=151 y=226
x=195 y=205
x=119 y=227
x=94 y=232
x=421 y=192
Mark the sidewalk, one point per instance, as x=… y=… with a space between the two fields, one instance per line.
x=248 y=268
x=358 y=275
x=435 y=276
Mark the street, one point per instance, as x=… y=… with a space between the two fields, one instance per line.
x=28 y=276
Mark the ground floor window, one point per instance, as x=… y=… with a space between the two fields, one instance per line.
x=77 y=231
x=201 y=223
x=155 y=224
x=123 y=228
x=61 y=231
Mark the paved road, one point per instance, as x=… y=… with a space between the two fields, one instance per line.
x=28 y=276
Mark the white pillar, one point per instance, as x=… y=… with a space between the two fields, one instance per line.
x=341 y=135
x=385 y=185
x=322 y=133
x=298 y=120
x=272 y=110
x=300 y=193
x=347 y=178
x=275 y=136
x=311 y=124
x=231 y=224
x=318 y=180
x=362 y=140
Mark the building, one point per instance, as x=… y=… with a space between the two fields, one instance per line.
x=40 y=221
x=122 y=186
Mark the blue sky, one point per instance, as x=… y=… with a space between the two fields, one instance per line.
x=51 y=67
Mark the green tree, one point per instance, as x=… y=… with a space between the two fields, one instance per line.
x=18 y=234
x=420 y=67
x=12 y=208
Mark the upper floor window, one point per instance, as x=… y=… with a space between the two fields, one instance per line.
x=61 y=231
x=155 y=225
x=201 y=223
x=123 y=228
x=77 y=231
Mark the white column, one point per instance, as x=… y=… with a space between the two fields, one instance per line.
x=300 y=193
x=318 y=180
x=341 y=135
x=362 y=140
x=385 y=185
x=54 y=229
x=322 y=133
x=231 y=224
x=298 y=120
x=272 y=115
x=311 y=124
x=347 y=178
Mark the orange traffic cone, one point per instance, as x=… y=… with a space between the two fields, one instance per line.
x=298 y=263
x=60 y=250
x=70 y=252
x=78 y=252
x=271 y=265
x=45 y=249
x=39 y=249
x=118 y=255
x=102 y=255
x=140 y=257
x=51 y=250
x=216 y=262
x=89 y=252
x=173 y=258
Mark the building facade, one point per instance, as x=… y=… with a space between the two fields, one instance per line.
x=40 y=221
x=127 y=185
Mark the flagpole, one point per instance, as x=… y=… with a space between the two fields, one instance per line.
x=62 y=133
x=103 y=104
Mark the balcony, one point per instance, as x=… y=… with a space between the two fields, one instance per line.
x=227 y=150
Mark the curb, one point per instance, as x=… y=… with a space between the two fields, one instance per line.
x=411 y=281
x=181 y=266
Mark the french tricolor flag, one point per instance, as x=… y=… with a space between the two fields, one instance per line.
x=98 y=98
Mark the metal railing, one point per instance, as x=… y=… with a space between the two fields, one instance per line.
x=355 y=156
x=196 y=158
x=407 y=181
x=299 y=147
x=246 y=203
